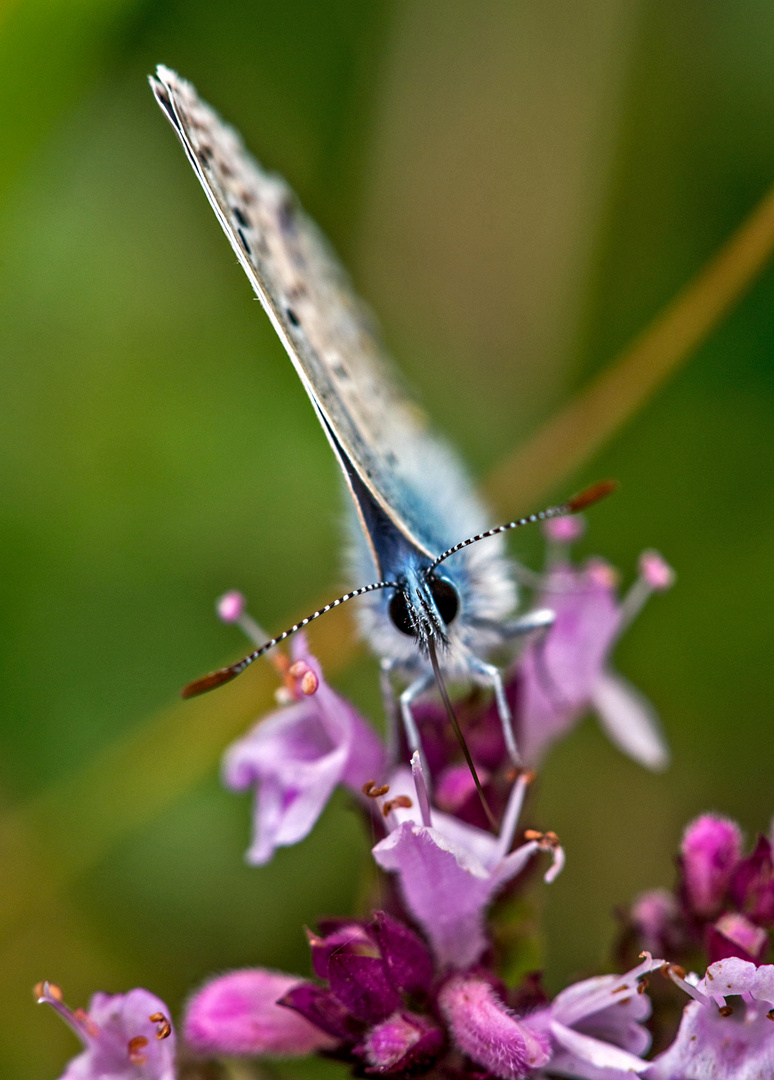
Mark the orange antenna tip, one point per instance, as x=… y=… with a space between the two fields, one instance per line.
x=208 y=682
x=591 y=495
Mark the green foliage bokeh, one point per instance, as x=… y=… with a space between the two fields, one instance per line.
x=518 y=188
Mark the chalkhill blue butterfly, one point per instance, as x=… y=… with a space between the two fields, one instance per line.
x=436 y=605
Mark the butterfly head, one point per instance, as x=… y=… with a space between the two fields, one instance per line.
x=424 y=606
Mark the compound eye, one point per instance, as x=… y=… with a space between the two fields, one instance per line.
x=399 y=614
x=446 y=598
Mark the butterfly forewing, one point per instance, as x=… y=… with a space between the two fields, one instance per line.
x=327 y=330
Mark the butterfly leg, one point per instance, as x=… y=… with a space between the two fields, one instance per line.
x=489 y=675
x=391 y=708
x=407 y=697
x=541 y=619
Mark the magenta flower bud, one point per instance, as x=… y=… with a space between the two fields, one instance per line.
x=735 y=935
x=231 y=606
x=710 y=851
x=656 y=571
x=487 y=1032
x=564 y=530
x=237 y=1014
x=405 y=1042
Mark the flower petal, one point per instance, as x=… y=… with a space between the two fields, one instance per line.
x=630 y=721
x=237 y=1014
x=594 y=1052
x=487 y=1032
x=446 y=890
x=296 y=756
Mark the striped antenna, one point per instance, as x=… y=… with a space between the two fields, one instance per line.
x=574 y=505
x=226 y=674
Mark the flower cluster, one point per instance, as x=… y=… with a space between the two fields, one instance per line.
x=415 y=987
x=722 y=904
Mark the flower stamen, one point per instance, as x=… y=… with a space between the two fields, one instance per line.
x=135 y=1047
x=163 y=1025
x=371 y=791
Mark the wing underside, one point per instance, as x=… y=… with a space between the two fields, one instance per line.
x=326 y=329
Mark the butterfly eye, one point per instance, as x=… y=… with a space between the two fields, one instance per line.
x=399 y=614
x=446 y=598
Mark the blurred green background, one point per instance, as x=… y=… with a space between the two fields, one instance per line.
x=518 y=187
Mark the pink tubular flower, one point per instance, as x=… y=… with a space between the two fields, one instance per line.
x=449 y=871
x=296 y=756
x=125 y=1036
x=596 y=1026
x=591 y=1030
x=488 y=1033
x=556 y=680
x=237 y=1015
x=710 y=851
x=723 y=1039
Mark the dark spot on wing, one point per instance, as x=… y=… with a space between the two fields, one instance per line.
x=391 y=458
x=205 y=154
x=245 y=244
x=292 y=317
x=240 y=216
x=340 y=371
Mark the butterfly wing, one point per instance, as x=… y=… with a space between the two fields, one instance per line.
x=328 y=332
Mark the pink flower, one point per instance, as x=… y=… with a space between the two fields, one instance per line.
x=591 y=1030
x=726 y=1032
x=237 y=1014
x=449 y=871
x=555 y=681
x=125 y=1036
x=709 y=853
x=297 y=755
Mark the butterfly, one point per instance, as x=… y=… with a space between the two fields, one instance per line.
x=437 y=606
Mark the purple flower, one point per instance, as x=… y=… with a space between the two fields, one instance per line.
x=596 y=1026
x=125 y=1036
x=383 y=1006
x=450 y=871
x=723 y=1039
x=752 y=885
x=375 y=976
x=709 y=853
x=723 y=901
x=592 y=1029
x=488 y=1033
x=297 y=755
x=556 y=680
x=237 y=1014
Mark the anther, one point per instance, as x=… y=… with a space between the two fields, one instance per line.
x=726 y=1010
x=135 y=1047
x=402 y=801
x=371 y=791
x=163 y=1026
x=48 y=989
x=642 y=984
x=306 y=677
x=770 y=1014
x=546 y=841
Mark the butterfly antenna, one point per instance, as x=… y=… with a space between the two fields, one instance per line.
x=578 y=502
x=458 y=731
x=226 y=674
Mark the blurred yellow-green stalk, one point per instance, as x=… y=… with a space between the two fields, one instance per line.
x=518 y=187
